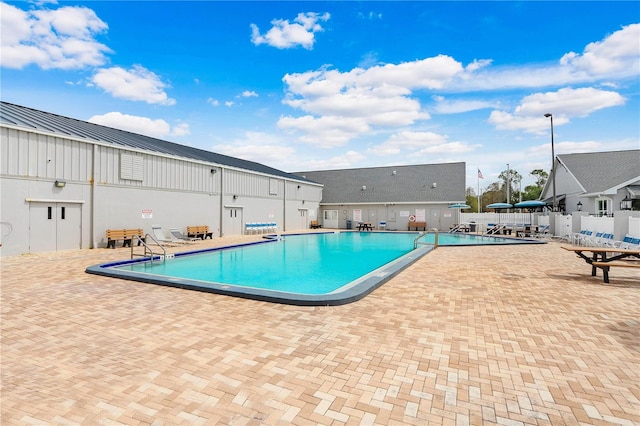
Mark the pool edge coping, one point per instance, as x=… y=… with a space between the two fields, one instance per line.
x=354 y=291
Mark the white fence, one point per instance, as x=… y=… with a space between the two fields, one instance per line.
x=634 y=226
x=597 y=224
x=485 y=219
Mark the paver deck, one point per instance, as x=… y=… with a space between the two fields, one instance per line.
x=510 y=335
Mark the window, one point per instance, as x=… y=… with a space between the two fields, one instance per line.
x=131 y=166
x=602 y=206
x=273 y=187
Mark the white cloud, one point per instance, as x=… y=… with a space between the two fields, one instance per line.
x=563 y=104
x=445 y=106
x=378 y=97
x=617 y=54
x=615 y=57
x=342 y=161
x=142 y=125
x=248 y=94
x=419 y=143
x=63 y=38
x=256 y=146
x=326 y=131
x=135 y=84
x=213 y=102
x=284 y=34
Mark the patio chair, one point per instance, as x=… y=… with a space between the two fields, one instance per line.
x=629 y=242
x=180 y=236
x=160 y=237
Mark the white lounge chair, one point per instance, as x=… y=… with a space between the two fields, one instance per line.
x=159 y=236
x=180 y=236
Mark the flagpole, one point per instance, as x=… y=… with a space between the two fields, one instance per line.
x=478 y=176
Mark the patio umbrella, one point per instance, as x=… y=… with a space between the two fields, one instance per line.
x=498 y=207
x=459 y=206
x=531 y=205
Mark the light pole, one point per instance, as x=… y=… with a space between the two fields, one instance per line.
x=553 y=163
x=508 y=185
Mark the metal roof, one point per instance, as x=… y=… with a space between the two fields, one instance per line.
x=393 y=184
x=32 y=119
x=602 y=171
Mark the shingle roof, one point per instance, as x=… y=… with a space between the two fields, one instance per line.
x=601 y=171
x=29 y=118
x=408 y=184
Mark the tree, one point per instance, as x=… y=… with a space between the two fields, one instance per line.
x=541 y=177
x=511 y=178
x=532 y=192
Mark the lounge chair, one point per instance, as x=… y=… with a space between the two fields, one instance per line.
x=543 y=232
x=180 y=236
x=628 y=243
x=159 y=236
x=496 y=229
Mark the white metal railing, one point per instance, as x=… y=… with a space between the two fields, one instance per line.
x=148 y=252
x=416 y=241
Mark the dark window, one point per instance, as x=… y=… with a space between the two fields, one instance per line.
x=62 y=211
x=49 y=212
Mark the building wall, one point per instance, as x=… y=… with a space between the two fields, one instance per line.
x=396 y=216
x=109 y=187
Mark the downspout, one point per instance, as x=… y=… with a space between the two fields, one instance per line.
x=92 y=207
x=284 y=206
x=221 y=219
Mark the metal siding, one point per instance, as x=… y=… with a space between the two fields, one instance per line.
x=35 y=161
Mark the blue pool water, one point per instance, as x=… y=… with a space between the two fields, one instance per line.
x=307 y=269
x=309 y=264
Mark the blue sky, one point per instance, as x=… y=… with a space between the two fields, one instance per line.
x=326 y=85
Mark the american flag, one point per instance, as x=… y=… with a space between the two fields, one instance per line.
x=480 y=174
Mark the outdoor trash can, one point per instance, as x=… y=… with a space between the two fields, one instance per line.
x=348 y=224
x=472 y=226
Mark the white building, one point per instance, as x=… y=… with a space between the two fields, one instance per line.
x=64 y=182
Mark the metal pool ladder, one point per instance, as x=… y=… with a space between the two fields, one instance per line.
x=422 y=234
x=148 y=252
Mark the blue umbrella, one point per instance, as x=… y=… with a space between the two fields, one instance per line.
x=499 y=206
x=459 y=206
x=530 y=204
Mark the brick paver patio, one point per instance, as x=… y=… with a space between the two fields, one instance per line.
x=468 y=335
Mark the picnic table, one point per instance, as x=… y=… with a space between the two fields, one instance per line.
x=365 y=226
x=598 y=258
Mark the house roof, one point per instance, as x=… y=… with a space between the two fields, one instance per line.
x=602 y=171
x=32 y=119
x=394 y=184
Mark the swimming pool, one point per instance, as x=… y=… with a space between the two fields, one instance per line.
x=305 y=269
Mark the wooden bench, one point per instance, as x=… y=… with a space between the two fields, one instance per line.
x=605 y=266
x=124 y=235
x=416 y=225
x=314 y=224
x=201 y=232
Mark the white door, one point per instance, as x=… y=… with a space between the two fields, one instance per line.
x=330 y=219
x=54 y=226
x=233 y=221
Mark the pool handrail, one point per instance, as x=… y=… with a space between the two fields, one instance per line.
x=422 y=234
x=148 y=252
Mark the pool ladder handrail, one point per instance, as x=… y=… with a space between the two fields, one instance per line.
x=148 y=252
x=422 y=234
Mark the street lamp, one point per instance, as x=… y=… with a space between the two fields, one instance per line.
x=553 y=163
